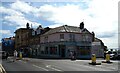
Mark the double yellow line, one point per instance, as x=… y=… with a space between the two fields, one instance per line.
x=2 y=70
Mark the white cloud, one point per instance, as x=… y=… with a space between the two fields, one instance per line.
x=23 y=7
x=10 y=11
x=16 y=17
x=20 y=21
x=69 y=14
x=111 y=42
x=7 y=32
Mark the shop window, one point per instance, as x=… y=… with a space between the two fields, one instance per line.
x=53 y=50
x=42 y=51
x=46 y=50
x=84 y=51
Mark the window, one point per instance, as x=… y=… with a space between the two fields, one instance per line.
x=53 y=50
x=72 y=37
x=61 y=36
x=46 y=39
x=84 y=51
x=42 y=50
x=18 y=37
x=46 y=50
x=38 y=31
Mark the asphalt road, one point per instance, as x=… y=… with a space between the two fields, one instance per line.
x=61 y=65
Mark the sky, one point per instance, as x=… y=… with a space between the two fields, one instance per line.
x=100 y=16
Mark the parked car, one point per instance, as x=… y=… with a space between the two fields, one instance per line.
x=115 y=57
x=112 y=56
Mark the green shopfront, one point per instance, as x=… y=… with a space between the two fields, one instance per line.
x=63 y=49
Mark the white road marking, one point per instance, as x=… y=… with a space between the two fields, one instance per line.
x=2 y=69
x=40 y=67
x=49 y=66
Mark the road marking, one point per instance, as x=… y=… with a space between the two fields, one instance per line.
x=55 y=69
x=2 y=69
x=49 y=66
x=40 y=67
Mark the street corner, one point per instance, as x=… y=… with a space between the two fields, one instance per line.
x=2 y=70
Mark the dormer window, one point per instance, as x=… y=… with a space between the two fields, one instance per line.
x=38 y=31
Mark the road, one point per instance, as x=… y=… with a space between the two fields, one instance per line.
x=61 y=65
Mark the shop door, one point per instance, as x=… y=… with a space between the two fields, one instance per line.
x=62 y=50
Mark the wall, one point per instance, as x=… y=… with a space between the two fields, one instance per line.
x=97 y=49
x=56 y=37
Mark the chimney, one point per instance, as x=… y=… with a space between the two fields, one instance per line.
x=82 y=25
x=27 y=26
x=93 y=38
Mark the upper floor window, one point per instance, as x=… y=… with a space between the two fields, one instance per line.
x=38 y=31
x=72 y=37
x=46 y=38
x=18 y=37
x=86 y=37
x=61 y=36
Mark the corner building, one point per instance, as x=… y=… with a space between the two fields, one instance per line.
x=60 y=41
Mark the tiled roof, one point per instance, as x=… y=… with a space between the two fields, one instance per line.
x=66 y=28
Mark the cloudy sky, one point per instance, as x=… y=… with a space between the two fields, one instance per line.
x=100 y=16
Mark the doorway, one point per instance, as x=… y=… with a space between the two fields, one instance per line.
x=62 y=51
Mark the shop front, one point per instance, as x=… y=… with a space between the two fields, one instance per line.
x=63 y=49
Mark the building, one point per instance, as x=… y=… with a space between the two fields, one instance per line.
x=98 y=48
x=27 y=37
x=58 y=42
x=35 y=40
x=22 y=37
x=8 y=44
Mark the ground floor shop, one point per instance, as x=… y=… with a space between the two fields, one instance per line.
x=61 y=50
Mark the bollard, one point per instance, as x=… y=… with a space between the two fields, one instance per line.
x=94 y=60
x=107 y=59
x=20 y=55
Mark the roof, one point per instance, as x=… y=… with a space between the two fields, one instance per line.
x=66 y=28
x=22 y=29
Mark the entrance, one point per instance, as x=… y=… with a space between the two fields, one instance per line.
x=62 y=50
